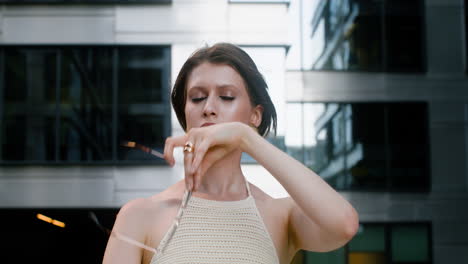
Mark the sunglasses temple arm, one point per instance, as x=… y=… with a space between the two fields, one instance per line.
x=132 y=241
x=118 y=235
x=131 y=144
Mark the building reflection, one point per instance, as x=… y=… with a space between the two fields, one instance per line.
x=359 y=146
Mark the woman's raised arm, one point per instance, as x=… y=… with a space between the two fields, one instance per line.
x=320 y=219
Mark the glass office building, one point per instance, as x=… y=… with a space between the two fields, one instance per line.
x=371 y=95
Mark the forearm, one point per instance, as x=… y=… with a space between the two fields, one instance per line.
x=314 y=196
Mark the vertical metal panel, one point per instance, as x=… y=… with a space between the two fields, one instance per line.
x=58 y=87
x=2 y=85
x=115 y=85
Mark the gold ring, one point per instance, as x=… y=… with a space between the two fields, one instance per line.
x=188 y=147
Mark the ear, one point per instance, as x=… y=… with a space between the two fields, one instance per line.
x=256 y=116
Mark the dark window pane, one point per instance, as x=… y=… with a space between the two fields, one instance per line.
x=15 y=89
x=14 y=138
x=86 y=104
x=143 y=129
x=81 y=241
x=361 y=46
x=360 y=35
x=382 y=243
x=141 y=97
x=368 y=165
x=29 y=107
x=410 y=244
x=105 y=93
x=370 y=238
x=404 y=35
x=361 y=146
x=352 y=32
x=408 y=145
x=140 y=76
x=334 y=257
x=28 y=139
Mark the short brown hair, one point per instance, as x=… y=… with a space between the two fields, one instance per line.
x=239 y=60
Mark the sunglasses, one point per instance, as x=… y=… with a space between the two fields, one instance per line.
x=132 y=144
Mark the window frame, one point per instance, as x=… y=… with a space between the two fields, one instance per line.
x=383 y=64
x=389 y=184
x=388 y=226
x=164 y=108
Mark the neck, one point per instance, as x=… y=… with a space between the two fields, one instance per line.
x=224 y=178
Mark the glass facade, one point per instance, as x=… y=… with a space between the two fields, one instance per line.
x=83 y=240
x=362 y=146
x=77 y=104
x=79 y=241
x=383 y=243
x=356 y=35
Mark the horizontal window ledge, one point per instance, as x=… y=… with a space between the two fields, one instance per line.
x=287 y=2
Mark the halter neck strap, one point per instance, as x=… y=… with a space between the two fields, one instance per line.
x=248 y=186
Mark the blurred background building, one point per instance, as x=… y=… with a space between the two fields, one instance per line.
x=371 y=95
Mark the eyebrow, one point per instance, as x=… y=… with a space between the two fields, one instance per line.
x=222 y=86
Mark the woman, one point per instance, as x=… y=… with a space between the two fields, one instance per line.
x=215 y=215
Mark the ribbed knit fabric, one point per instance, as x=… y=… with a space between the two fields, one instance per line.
x=217 y=232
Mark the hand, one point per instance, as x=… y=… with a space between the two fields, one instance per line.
x=210 y=143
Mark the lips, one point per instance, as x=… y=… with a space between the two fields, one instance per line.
x=208 y=124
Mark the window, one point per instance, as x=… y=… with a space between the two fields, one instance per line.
x=356 y=35
x=77 y=104
x=80 y=241
x=382 y=244
x=362 y=146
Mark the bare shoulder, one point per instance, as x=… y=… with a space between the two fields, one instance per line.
x=264 y=199
x=278 y=209
x=143 y=213
x=138 y=219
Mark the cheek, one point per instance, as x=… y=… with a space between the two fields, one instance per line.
x=240 y=112
x=189 y=112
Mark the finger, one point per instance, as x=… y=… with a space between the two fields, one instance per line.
x=212 y=156
x=167 y=150
x=188 y=159
x=199 y=154
x=171 y=143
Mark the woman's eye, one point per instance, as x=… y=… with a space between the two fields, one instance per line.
x=227 y=98
x=198 y=99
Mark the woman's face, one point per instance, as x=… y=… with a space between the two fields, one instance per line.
x=216 y=93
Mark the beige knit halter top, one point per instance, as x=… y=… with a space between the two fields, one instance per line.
x=209 y=231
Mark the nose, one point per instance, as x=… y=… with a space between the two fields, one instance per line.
x=209 y=109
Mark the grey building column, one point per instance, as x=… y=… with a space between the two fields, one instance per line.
x=445 y=46
x=446 y=60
